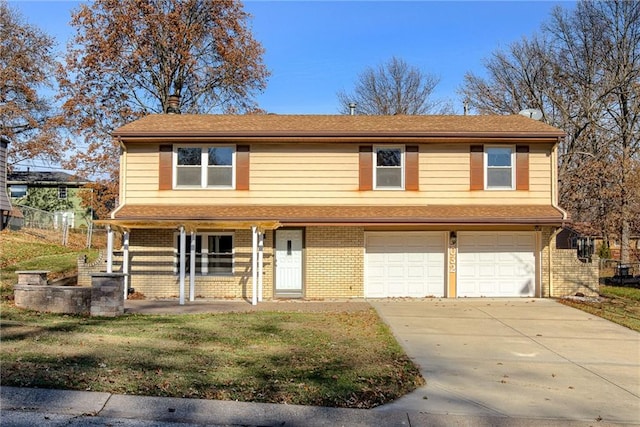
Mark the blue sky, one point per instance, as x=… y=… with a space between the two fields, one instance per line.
x=316 y=48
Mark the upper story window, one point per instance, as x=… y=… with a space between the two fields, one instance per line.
x=389 y=169
x=16 y=191
x=204 y=167
x=499 y=165
x=62 y=192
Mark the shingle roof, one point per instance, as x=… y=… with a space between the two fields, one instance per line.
x=335 y=125
x=292 y=214
x=29 y=177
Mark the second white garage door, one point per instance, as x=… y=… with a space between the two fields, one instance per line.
x=496 y=264
x=404 y=264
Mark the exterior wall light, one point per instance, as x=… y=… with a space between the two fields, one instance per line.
x=453 y=238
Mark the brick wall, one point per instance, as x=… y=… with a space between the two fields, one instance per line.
x=545 y=267
x=570 y=275
x=86 y=268
x=334 y=262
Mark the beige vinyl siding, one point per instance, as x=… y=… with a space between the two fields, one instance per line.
x=328 y=174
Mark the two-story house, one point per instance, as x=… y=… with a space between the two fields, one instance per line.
x=59 y=191
x=315 y=207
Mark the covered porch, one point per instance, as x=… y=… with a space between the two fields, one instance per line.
x=187 y=230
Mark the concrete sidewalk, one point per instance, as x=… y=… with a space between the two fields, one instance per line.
x=28 y=407
x=516 y=358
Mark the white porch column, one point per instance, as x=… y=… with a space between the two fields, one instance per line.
x=125 y=262
x=192 y=267
x=109 y=249
x=183 y=261
x=260 y=263
x=254 y=264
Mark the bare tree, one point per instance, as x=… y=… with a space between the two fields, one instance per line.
x=26 y=69
x=129 y=56
x=583 y=73
x=394 y=87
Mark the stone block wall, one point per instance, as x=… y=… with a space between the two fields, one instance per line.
x=107 y=294
x=53 y=299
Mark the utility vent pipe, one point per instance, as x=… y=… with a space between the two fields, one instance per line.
x=352 y=108
x=174 y=104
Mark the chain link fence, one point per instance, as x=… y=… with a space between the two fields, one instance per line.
x=56 y=227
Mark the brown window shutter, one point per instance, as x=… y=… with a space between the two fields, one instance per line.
x=411 y=171
x=366 y=167
x=165 y=170
x=242 y=167
x=522 y=167
x=477 y=167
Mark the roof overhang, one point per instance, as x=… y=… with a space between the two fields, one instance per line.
x=335 y=128
x=267 y=217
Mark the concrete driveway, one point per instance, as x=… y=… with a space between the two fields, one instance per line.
x=516 y=358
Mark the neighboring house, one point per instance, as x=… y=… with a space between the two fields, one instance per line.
x=316 y=207
x=5 y=203
x=65 y=188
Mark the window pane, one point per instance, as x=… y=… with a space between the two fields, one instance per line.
x=18 y=190
x=220 y=264
x=498 y=156
x=189 y=156
x=220 y=177
x=499 y=177
x=220 y=156
x=389 y=177
x=388 y=157
x=188 y=176
x=225 y=244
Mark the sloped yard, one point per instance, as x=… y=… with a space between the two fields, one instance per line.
x=618 y=304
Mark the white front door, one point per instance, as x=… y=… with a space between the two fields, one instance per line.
x=288 y=260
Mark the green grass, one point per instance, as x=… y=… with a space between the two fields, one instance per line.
x=26 y=251
x=327 y=359
x=620 y=292
x=619 y=304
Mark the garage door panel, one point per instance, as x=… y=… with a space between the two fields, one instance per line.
x=413 y=264
x=496 y=264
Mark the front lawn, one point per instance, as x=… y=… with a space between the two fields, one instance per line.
x=327 y=359
x=618 y=304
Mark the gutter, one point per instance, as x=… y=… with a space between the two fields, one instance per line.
x=340 y=138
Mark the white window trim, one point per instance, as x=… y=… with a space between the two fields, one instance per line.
x=204 y=266
x=18 y=188
x=204 y=167
x=402 y=166
x=63 y=189
x=486 y=168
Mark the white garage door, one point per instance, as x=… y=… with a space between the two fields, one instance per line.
x=496 y=264
x=404 y=264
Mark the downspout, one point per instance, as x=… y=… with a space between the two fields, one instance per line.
x=554 y=182
x=554 y=203
x=254 y=265
x=122 y=175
